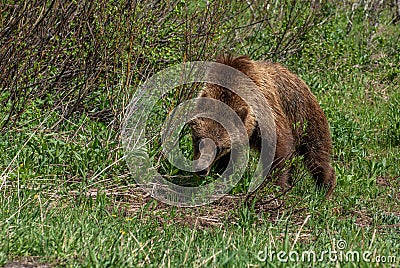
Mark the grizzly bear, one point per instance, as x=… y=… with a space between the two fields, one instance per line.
x=301 y=126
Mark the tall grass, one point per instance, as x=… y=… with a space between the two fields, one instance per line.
x=69 y=68
x=77 y=56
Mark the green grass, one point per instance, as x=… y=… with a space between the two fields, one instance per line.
x=66 y=198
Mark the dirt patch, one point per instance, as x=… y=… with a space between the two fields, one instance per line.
x=363 y=219
x=135 y=202
x=27 y=262
x=388 y=181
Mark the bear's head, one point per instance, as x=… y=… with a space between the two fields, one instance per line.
x=211 y=141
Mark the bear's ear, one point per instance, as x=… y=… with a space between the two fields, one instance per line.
x=242 y=113
x=191 y=123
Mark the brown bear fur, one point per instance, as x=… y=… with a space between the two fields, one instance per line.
x=301 y=126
